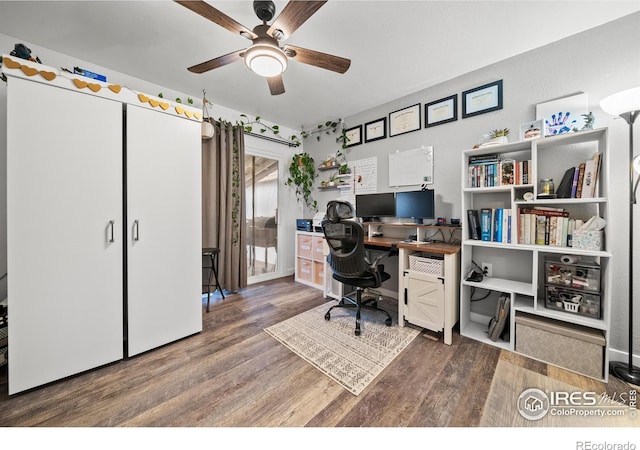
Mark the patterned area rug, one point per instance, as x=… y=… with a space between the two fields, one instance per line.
x=332 y=347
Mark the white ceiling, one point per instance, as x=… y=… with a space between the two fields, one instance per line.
x=396 y=47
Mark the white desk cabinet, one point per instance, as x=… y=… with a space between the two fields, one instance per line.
x=425 y=302
x=103 y=224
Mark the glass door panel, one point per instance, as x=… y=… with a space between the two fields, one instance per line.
x=261 y=184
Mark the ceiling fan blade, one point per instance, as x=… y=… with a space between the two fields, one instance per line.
x=276 y=85
x=209 y=12
x=294 y=14
x=318 y=59
x=217 y=62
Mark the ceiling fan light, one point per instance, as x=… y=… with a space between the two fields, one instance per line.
x=265 y=60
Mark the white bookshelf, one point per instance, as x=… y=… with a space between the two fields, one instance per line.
x=519 y=269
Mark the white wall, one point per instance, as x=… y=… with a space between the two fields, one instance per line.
x=599 y=62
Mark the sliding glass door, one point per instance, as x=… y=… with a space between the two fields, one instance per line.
x=261 y=185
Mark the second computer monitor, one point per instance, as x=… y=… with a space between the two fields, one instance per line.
x=373 y=206
x=417 y=205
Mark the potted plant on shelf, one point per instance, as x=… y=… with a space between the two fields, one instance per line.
x=344 y=169
x=499 y=136
x=302 y=173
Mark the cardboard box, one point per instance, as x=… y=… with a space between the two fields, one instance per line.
x=587 y=240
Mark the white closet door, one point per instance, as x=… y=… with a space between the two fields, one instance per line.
x=164 y=228
x=64 y=187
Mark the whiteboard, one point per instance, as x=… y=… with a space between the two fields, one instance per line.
x=411 y=167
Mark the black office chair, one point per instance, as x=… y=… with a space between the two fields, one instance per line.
x=349 y=261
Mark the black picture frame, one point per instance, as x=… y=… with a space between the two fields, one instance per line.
x=354 y=136
x=482 y=99
x=375 y=130
x=405 y=120
x=441 y=111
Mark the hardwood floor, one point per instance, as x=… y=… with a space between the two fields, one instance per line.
x=234 y=375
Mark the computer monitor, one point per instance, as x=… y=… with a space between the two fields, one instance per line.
x=416 y=204
x=373 y=206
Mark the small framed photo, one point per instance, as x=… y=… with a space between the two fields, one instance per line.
x=482 y=99
x=376 y=129
x=531 y=130
x=441 y=111
x=354 y=136
x=405 y=120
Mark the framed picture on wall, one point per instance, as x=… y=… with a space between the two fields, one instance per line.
x=354 y=136
x=376 y=129
x=405 y=120
x=482 y=99
x=441 y=111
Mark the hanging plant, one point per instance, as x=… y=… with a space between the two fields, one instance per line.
x=302 y=173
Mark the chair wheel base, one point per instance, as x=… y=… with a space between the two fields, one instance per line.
x=387 y=322
x=327 y=316
x=357 y=332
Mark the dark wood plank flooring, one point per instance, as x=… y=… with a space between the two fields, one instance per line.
x=234 y=375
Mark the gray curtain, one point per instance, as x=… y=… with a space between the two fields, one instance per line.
x=223 y=203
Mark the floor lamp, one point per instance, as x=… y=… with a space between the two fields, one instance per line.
x=626 y=104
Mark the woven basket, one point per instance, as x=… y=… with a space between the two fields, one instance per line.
x=430 y=266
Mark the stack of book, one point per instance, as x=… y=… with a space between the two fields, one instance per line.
x=581 y=181
x=495 y=225
x=492 y=170
x=540 y=225
x=535 y=225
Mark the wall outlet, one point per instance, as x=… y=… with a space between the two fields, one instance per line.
x=487 y=269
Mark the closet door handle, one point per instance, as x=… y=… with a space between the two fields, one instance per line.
x=136 y=230
x=111 y=235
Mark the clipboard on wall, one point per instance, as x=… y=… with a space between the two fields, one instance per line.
x=411 y=167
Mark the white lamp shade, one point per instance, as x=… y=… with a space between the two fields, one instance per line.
x=622 y=102
x=266 y=60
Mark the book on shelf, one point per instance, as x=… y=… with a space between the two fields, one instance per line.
x=497 y=225
x=590 y=180
x=485 y=224
x=574 y=185
x=474 y=224
x=564 y=188
x=581 y=169
x=492 y=157
x=495 y=172
x=507 y=172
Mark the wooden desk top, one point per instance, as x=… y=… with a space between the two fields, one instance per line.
x=435 y=247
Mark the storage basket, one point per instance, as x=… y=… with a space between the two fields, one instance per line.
x=427 y=264
x=570 y=306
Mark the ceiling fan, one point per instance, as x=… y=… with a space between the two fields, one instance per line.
x=265 y=56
